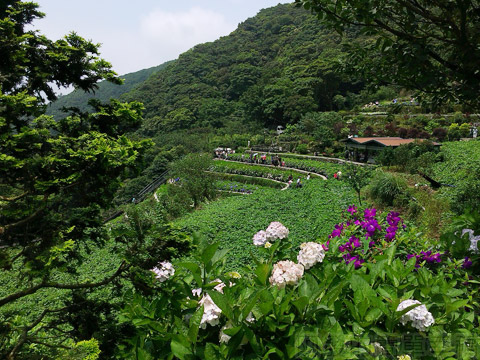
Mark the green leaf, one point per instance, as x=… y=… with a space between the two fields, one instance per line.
x=221 y=301
x=212 y=352
x=250 y=304
x=390 y=252
x=262 y=271
x=373 y=315
x=195 y=324
x=338 y=338
x=456 y=305
x=219 y=255
x=180 y=348
x=301 y=303
x=194 y=269
x=232 y=331
x=209 y=252
x=308 y=286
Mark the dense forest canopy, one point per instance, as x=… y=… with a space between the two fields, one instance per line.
x=423 y=45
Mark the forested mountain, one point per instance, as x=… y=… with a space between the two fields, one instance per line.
x=105 y=91
x=275 y=67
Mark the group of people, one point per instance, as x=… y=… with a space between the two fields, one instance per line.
x=222 y=153
x=275 y=160
x=298 y=183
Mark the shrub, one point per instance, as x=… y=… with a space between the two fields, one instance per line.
x=439 y=133
x=193 y=178
x=302 y=149
x=385 y=157
x=385 y=188
x=350 y=301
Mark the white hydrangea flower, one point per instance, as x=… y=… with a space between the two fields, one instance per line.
x=211 y=312
x=224 y=338
x=196 y=292
x=250 y=318
x=378 y=349
x=420 y=317
x=276 y=230
x=473 y=240
x=163 y=271
x=310 y=254
x=286 y=273
x=219 y=287
x=260 y=238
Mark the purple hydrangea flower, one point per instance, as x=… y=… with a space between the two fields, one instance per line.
x=467 y=263
x=337 y=232
x=391 y=233
x=371 y=226
x=352 y=209
x=354 y=241
x=358 y=263
x=370 y=213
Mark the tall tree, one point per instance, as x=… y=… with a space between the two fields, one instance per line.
x=432 y=46
x=55 y=177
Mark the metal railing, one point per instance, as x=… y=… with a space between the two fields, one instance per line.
x=140 y=196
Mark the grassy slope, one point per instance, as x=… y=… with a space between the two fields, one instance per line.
x=458 y=155
x=309 y=213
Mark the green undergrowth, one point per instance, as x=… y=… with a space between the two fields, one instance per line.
x=249 y=180
x=234 y=186
x=459 y=156
x=309 y=212
x=460 y=171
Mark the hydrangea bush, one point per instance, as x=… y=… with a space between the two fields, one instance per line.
x=354 y=295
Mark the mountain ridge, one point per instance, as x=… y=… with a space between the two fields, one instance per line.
x=106 y=90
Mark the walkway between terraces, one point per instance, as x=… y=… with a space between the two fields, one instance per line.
x=278 y=167
x=311 y=157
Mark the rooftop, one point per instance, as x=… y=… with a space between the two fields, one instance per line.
x=385 y=141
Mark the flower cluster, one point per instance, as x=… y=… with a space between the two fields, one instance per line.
x=276 y=231
x=211 y=312
x=310 y=254
x=286 y=273
x=420 y=317
x=473 y=240
x=163 y=271
x=352 y=209
x=260 y=238
x=467 y=263
x=273 y=232
x=426 y=256
x=393 y=219
x=222 y=337
x=360 y=228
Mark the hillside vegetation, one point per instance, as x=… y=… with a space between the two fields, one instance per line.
x=275 y=67
x=106 y=90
